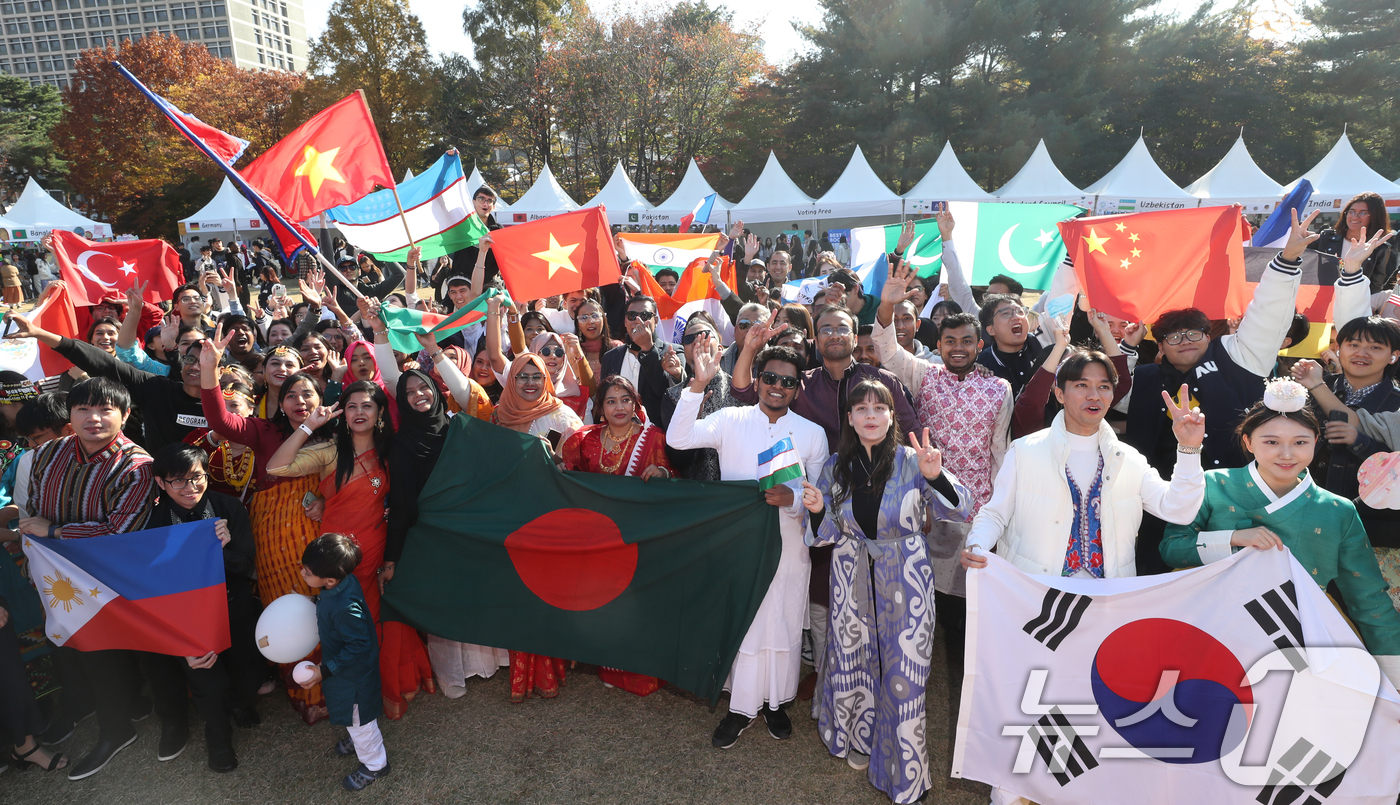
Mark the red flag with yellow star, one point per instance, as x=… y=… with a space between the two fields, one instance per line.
x=332 y=159
x=556 y=255
x=1138 y=266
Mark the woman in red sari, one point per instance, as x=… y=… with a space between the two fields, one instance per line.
x=623 y=443
x=354 y=482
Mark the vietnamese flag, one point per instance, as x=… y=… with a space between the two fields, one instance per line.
x=332 y=159
x=160 y=590
x=97 y=270
x=1138 y=266
x=556 y=255
x=660 y=578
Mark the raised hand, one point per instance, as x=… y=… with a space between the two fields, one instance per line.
x=930 y=457
x=1188 y=425
x=309 y=292
x=23 y=327
x=369 y=313
x=1356 y=250
x=759 y=334
x=750 y=247
x=1299 y=236
x=706 y=366
x=1134 y=332
x=134 y=297
x=735 y=230
x=620 y=246
x=209 y=358
x=415 y=255
x=322 y=414
x=896 y=288
x=1307 y=372
x=944 y=217
x=906 y=237
x=812 y=497
x=428 y=340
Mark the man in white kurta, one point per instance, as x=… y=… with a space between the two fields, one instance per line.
x=765 y=672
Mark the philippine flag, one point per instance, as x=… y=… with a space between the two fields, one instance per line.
x=160 y=590
x=701 y=213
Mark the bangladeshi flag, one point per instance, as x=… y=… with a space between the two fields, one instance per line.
x=660 y=577
x=404 y=325
x=556 y=255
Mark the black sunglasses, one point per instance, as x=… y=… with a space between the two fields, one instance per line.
x=774 y=379
x=557 y=352
x=689 y=338
x=644 y=315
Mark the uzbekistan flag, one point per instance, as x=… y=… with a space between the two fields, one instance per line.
x=779 y=465
x=403 y=324
x=658 y=251
x=160 y=590
x=437 y=204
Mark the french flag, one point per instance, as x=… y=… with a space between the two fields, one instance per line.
x=160 y=590
x=1274 y=231
x=701 y=212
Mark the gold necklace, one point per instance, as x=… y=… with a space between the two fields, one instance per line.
x=603 y=454
x=235 y=477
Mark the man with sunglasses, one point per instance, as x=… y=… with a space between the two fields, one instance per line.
x=641 y=357
x=749 y=315
x=764 y=676
x=1225 y=376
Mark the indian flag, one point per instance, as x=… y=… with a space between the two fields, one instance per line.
x=669 y=251
x=404 y=325
x=1019 y=240
x=437 y=204
x=779 y=465
x=693 y=292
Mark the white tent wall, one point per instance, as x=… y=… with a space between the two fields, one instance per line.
x=544 y=198
x=1238 y=179
x=1138 y=184
x=688 y=193
x=1341 y=175
x=859 y=193
x=39 y=211
x=774 y=197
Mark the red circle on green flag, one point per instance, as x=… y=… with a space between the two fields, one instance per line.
x=572 y=559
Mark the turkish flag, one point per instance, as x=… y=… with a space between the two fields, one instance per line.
x=332 y=159
x=1138 y=266
x=55 y=313
x=96 y=270
x=556 y=255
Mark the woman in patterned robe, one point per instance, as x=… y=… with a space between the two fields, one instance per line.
x=870 y=503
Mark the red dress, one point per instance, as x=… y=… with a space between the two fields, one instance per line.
x=357 y=509
x=585 y=452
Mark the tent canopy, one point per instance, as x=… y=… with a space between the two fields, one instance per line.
x=39 y=210
x=1342 y=174
x=1040 y=180
x=947 y=180
x=1137 y=184
x=688 y=193
x=228 y=211
x=859 y=192
x=774 y=197
x=621 y=199
x=544 y=198
x=1237 y=179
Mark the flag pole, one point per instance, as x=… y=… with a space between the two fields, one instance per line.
x=403 y=217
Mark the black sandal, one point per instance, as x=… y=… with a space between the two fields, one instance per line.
x=54 y=760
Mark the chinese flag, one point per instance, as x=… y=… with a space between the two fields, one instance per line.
x=97 y=270
x=556 y=255
x=332 y=159
x=1138 y=266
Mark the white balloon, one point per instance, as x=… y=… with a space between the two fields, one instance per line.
x=287 y=629
x=302 y=673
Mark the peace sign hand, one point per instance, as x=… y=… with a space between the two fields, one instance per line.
x=321 y=414
x=945 y=221
x=1298 y=235
x=134 y=296
x=1356 y=250
x=220 y=340
x=759 y=334
x=1189 y=424
x=930 y=457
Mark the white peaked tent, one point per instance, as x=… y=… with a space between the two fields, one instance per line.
x=407 y=174
x=774 y=197
x=692 y=189
x=858 y=192
x=1039 y=180
x=38 y=210
x=947 y=180
x=1236 y=179
x=620 y=197
x=544 y=198
x=1137 y=184
x=226 y=213
x=1339 y=176
x=477 y=180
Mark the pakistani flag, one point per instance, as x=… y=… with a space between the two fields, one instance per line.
x=1019 y=240
x=437 y=206
x=403 y=324
x=660 y=577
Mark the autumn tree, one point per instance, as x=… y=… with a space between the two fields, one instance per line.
x=27 y=116
x=377 y=46
x=124 y=155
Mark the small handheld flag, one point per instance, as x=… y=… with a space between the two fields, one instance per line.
x=701 y=213
x=779 y=465
x=1274 y=230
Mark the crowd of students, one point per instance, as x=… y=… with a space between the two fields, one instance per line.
x=928 y=436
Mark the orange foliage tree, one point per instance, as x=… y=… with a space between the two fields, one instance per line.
x=128 y=160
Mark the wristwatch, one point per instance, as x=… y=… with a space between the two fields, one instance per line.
x=1190 y=451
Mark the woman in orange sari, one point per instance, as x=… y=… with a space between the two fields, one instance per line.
x=623 y=443
x=354 y=482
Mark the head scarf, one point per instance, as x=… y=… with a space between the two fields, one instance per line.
x=459 y=358
x=420 y=433
x=514 y=411
x=565 y=381
x=377 y=378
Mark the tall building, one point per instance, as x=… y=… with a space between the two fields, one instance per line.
x=42 y=38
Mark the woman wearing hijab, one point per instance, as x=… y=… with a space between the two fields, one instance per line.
x=445 y=368
x=484 y=375
x=564 y=361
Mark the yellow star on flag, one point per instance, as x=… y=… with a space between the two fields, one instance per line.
x=318 y=167
x=1133 y=237
x=94 y=591
x=1120 y=226
x=1124 y=263
x=557 y=256
x=1137 y=252
x=1095 y=242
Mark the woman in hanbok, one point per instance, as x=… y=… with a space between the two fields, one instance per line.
x=622 y=444
x=871 y=503
x=1273 y=503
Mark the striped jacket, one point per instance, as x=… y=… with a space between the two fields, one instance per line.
x=109 y=492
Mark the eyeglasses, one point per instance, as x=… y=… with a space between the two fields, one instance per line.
x=745 y=324
x=523 y=379
x=181 y=483
x=1359 y=212
x=557 y=352
x=187 y=299
x=590 y=317
x=775 y=379
x=827 y=332
x=1011 y=312
x=642 y=315
x=689 y=338
x=1188 y=335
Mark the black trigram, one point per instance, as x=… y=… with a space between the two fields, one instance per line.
x=1279 y=620
x=1059 y=615
x=1058 y=744
x=1295 y=771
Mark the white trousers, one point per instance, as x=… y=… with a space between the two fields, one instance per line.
x=369 y=743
